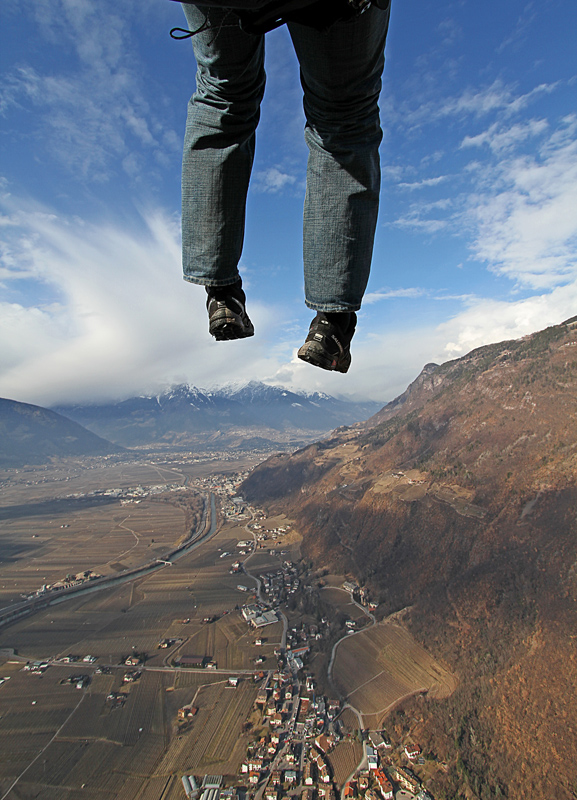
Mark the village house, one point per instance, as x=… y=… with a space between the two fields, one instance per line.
x=276 y=777
x=261 y=698
x=190 y=661
x=255 y=763
x=290 y=777
x=372 y=758
x=406 y=778
x=326 y=793
x=376 y=739
x=187 y=712
x=384 y=784
x=276 y=720
x=324 y=775
x=412 y=751
x=308 y=776
x=323 y=743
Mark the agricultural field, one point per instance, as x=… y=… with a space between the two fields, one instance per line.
x=376 y=668
x=214 y=741
x=59 y=741
x=52 y=524
x=344 y=759
x=341 y=600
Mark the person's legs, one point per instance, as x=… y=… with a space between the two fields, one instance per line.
x=219 y=146
x=341 y=77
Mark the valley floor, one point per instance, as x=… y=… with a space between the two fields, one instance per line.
x=217 y=663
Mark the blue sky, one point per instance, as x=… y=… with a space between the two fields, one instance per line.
x=477 y=236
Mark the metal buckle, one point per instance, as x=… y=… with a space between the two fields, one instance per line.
x=359 y=5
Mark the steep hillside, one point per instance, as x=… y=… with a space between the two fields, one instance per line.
x=458 y=501
x=32 y=435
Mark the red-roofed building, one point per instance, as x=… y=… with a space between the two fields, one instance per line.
x=412 y=751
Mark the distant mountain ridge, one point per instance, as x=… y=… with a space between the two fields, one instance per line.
x=30 y=434
x=255 y=409
x=457 y=502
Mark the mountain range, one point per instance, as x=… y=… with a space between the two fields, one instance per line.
x=245 y=416
x=456 y=505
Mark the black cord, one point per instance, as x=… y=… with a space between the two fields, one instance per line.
x=186 y=34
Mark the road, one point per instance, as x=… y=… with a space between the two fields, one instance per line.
x=259 y=585
x=205 y=532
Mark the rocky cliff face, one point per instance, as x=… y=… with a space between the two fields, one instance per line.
x=459 y=501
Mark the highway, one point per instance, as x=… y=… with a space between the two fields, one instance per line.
x=206 y=531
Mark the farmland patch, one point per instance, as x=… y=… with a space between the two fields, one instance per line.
x=378 y=667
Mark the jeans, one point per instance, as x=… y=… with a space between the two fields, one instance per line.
x=341 y=73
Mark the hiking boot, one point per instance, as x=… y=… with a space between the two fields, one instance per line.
x=328 y=342
x=227 y=317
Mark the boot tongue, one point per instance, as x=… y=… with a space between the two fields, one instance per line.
x=230 y=290
x=345 y=321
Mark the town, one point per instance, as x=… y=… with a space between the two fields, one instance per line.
x=255 y=622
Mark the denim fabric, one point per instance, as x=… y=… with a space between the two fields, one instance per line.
x=341 y=78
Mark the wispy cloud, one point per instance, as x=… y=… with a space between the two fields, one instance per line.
x=424 y=183
x=92 y=110
x=388 y=294
x=273 y=180
x=500 y=138
x=427 y=217
x=497 y=97
x=521 y=29
x=516 y=207
x=125 y=321
x=524 y=217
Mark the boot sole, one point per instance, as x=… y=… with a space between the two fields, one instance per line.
x=227 y=326
x=315 y=354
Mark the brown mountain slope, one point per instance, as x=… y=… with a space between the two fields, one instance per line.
x=31 y=434
x=460 y=500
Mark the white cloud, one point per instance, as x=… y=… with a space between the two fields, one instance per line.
x=89 y=110
x=497 y=97
x=273 y=180
x=126 y=323
x=488 y=320
x=414 y=221
x=384 y=363
x=500 y=140
x=388 y=294
x=429 y=104
x=524 y=220
x=424 y=183
x=521 y=29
